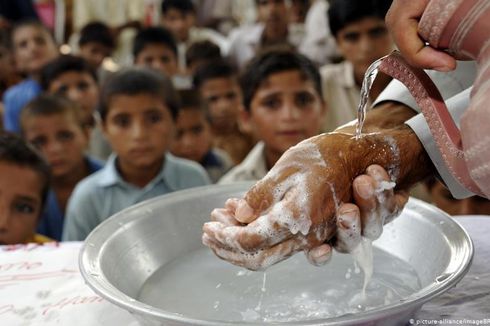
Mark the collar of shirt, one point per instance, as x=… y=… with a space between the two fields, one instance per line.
x=168 y=174
x=347 y=77
x=255 y=163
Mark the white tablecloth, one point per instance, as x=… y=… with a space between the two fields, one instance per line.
x=41 y=285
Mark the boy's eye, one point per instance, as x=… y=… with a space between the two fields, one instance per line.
x=352 y=37
x=164 y=59
x=82 y=86
x=197 y=130
x=65 y=136
x=121 y=121
x=377 y=32
x=154 y=117
x=40 y=40
x=271 y=102
x=304 y=99
x=212 y=99
x=231 y=95
x=38 y=142
x=23 y=208
x=22 y=44
x=62 y=90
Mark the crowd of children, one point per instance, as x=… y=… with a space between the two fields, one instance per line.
x=83 y=140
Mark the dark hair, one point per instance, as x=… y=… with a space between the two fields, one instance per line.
x=96 y=32
x=343 y=12
x=205 y=51
x=46 y=105
x=154 y=35
x=185 y=6
x=63 y=64
x=212 y=70
x=272 y=62
x=135 y=81
x=15 y=150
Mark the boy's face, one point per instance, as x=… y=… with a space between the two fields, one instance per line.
x=79 y=87
x=364 y=41
x=61 y=140
x=20 y=202
x=94 y=53
x=285 y=110
x=33 y=48
x=139 y=128
x=273 y=13
x=223 y=99
x=178 y=23
x=158 y=57
x=193 y=136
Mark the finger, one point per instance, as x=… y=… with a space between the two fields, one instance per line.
x=363 y=188
x=384 y=190
x=348 y=228
x=223 y=216
x=320 y=255
x=403 y=20
x=262 y=259
x=231 y=204
x=365 y=198
x=401 y=199
x=261 y=233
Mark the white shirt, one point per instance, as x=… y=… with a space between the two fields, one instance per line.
x=318 y=44
x=245 y=41
x=341 y=94
x=252 y=168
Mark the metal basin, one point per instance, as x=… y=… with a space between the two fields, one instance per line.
x=125 y=260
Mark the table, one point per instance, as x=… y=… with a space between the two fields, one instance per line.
x=41 y=285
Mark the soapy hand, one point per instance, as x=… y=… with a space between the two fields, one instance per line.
x=375 y=204
x=402 y=21
x=289 y=210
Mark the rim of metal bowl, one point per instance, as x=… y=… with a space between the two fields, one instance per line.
x=92 y=273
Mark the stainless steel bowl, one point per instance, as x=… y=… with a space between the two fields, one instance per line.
x=123 y=253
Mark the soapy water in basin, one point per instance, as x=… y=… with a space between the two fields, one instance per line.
x=200 y=286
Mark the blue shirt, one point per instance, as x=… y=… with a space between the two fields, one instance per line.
x=51 y=222
x=14 y=99
x=105 y=193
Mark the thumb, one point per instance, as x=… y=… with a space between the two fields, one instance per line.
x=256 y=201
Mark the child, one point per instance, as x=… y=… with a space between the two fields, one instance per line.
x=441 y=197
x=155 y=48
x=56 y=127
x=179 y=17
x=24 y=183
x=33 y=47
x=217 y=83
x=193 y=139
x=96 y=43
x=200 y=53
x=361 y=36
x=283 y=105
x=138 y=108
x=72 y=77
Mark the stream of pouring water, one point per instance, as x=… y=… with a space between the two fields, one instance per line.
x=367 y=83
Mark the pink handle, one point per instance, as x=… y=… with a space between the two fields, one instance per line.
x=445 y=132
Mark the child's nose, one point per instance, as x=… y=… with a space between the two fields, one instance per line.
x=290 y=111
x=138 y=130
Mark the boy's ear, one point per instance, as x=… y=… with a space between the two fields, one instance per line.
x=244 y=120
